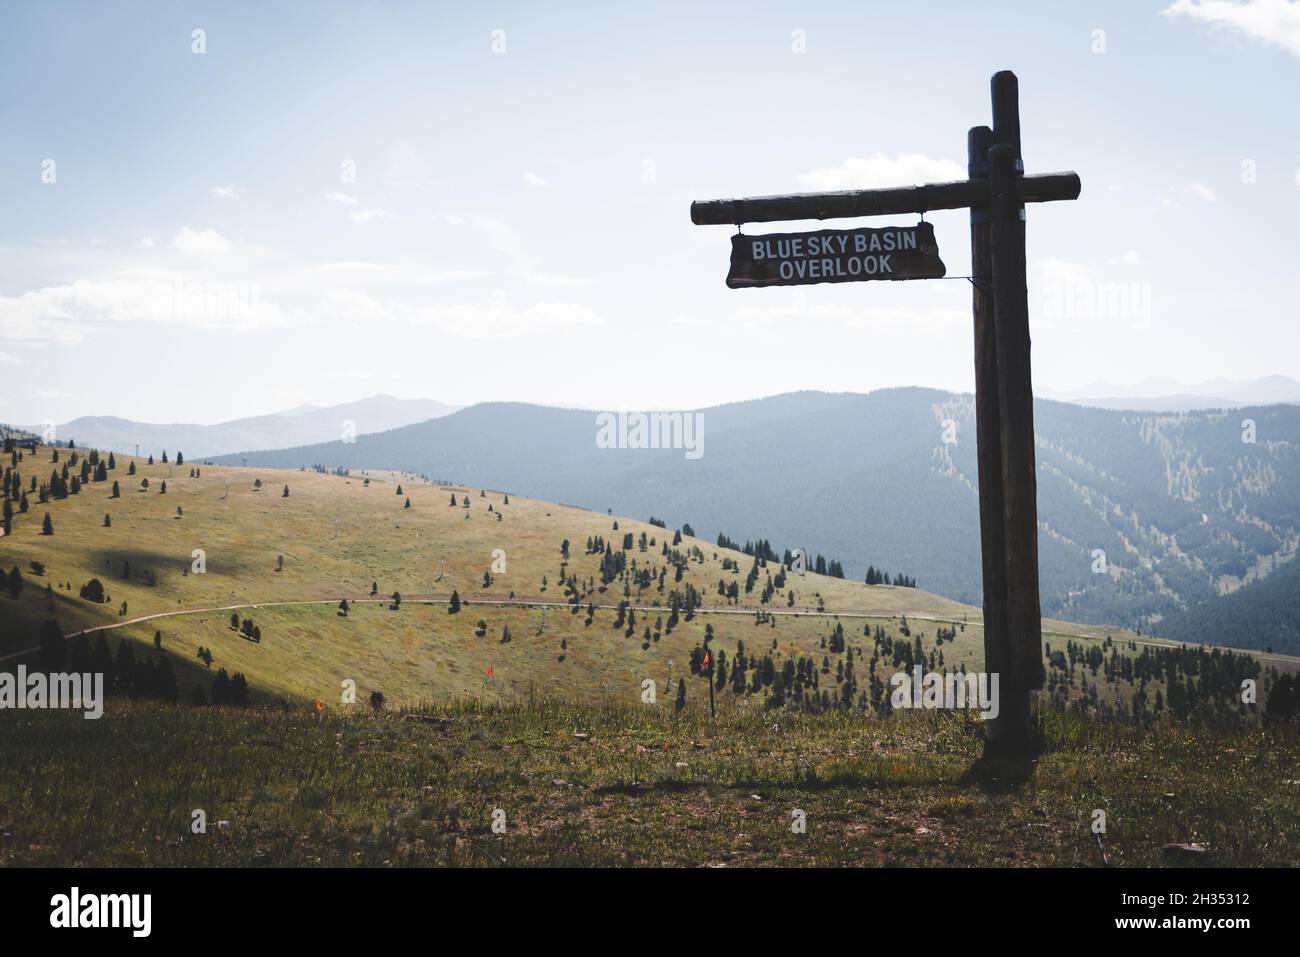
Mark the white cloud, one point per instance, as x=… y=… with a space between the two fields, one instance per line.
x=500 y=319
x=493 y=318
x=1201 y=191
x=555 y=279
x=908 y=321
x=1271 y=22
x=230 y=191
x=371 y=215
x=532 y=179
x=200 y=241
x=500 y=238
x=878 y=171
x=7 y=360
x=1130 y=257
x=360 y=214
x=397 y=273
x=146 y=242
x=68 y=313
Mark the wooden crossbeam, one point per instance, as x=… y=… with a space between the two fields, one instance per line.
x=961 y=194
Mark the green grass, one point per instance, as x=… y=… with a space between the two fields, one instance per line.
x=644 y=788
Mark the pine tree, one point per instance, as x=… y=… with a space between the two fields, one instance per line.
x=54 y=648
x=454 y=607
x=47 y=526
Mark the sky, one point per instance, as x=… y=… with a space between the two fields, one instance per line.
x=212 y=210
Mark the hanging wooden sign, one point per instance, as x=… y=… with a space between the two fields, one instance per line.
x=835 y=255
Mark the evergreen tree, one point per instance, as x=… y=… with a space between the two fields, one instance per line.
x=165 y=682
x=221 y=687
x=54 y=649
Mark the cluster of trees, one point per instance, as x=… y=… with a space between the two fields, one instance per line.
x=881 y=577
x=75 y=472
x=762 y=550
x=1283 y=699
x=127 y=674
x=246 y=628
x=1189 y=683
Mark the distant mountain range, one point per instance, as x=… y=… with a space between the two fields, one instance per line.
x=1170 y=395
x=303 y=425
x=1184 y=507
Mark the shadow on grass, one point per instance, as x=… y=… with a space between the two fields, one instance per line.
x=999 y=775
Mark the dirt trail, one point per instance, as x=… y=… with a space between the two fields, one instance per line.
x=473 y=599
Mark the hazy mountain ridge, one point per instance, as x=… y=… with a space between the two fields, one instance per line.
x=1170 y=395
x=299 y=426
x=1181 y=506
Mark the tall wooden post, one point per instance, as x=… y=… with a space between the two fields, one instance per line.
x=988 y=424
x=1021 y=655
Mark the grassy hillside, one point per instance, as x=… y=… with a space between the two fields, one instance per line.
x=620 y=785
x=285 y=562
x=1185 y=506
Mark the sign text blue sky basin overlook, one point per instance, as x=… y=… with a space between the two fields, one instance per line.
x=835 y=255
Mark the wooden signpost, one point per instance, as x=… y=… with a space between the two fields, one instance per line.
x=995 y=192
